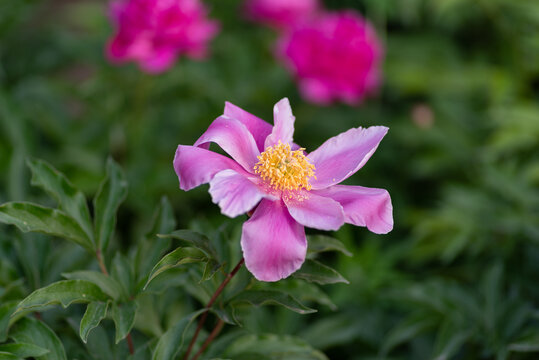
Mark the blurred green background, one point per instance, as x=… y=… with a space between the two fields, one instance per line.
x=457 y=278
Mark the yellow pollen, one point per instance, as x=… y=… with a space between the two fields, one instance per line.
x=285 y=169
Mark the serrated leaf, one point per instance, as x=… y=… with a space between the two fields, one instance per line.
x=323 y=243
x=272 y=347
x=172 y=341
x=273 y=297
x=123 y=316
x=314 y=271
x=32 y=331
x=196 y=240
x=63 y=292
x=72 y=201
x=24 y=350
x=32 y=217
x=95 y=312
x=6 y=310
x=110 y=195
x=178 y=257
x=106 y=283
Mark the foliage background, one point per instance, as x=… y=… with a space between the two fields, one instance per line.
x=457 y=277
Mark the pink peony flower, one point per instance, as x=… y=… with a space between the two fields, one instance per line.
x=281 y=14
x=335 y=56
x=286 y=187
x=155 y=32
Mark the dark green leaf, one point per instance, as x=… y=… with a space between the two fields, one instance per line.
x=529 y=343
x=8 y=356
x=176 y=258
x=323 y=243
x=32 y=331
x=122 y=272
x=31 y=217
x=272 y=347
x=406 y=330
x=317 y=272
x=263 y=297
x=63 y=292
x=210 y=269
x=172 y=341
x=163 y=220
x=110 y=195
x=123 y=316
x=23 y=350
x=106 y=283
x=6 y=310
x=95 y=312
x=72 y=201
x=195 y=239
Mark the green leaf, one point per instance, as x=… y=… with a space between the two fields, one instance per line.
x=152 y=248
x=171 y=342
x=6 y=310
x=210 y=269
x=314 y=271
x=264 y=297
x=106 y=283
x=95 y=312
x=406 y=330
x=24 y=350
x=32 y=217
x=123 y=316
x=72 y=201
x=110 y=195
x=32 y=331
x=272 y=347
x=8 y=356
x=196 y=240
x=323 y=243
x=176 y=258
x=163 y=220
x=122 y=272
x=63 y=292
x=529 y=343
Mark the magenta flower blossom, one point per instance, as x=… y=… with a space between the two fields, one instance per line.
x=334 y=57
x=155 y=32
x=285 y=187
x=281 y=14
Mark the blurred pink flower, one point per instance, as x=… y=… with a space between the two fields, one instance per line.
x=334 y=57
x=285 y=187
x=281 y=14
x=155 y=32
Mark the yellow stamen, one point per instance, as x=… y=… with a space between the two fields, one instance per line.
x=285 y=169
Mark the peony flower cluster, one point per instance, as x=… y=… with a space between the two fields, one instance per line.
x=334 y=57
x=283 y=186
x=154 y=33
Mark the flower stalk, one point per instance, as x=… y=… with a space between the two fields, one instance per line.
x=204 y=316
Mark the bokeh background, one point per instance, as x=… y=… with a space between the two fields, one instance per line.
x=457 y=278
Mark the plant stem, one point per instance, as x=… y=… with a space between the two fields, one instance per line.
x=214 y=297
x=103 y=268
x=101 y=262
x=216 y=330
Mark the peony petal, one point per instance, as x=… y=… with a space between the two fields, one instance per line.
x=363 y=206
x=259 y=128
x=341 y=156
x=234 y=193
x=283 y=130
x=315 y=211
x=196 y=166
x=234 y=138
x=273 y=243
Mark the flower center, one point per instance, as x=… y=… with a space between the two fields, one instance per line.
x=285 y=169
